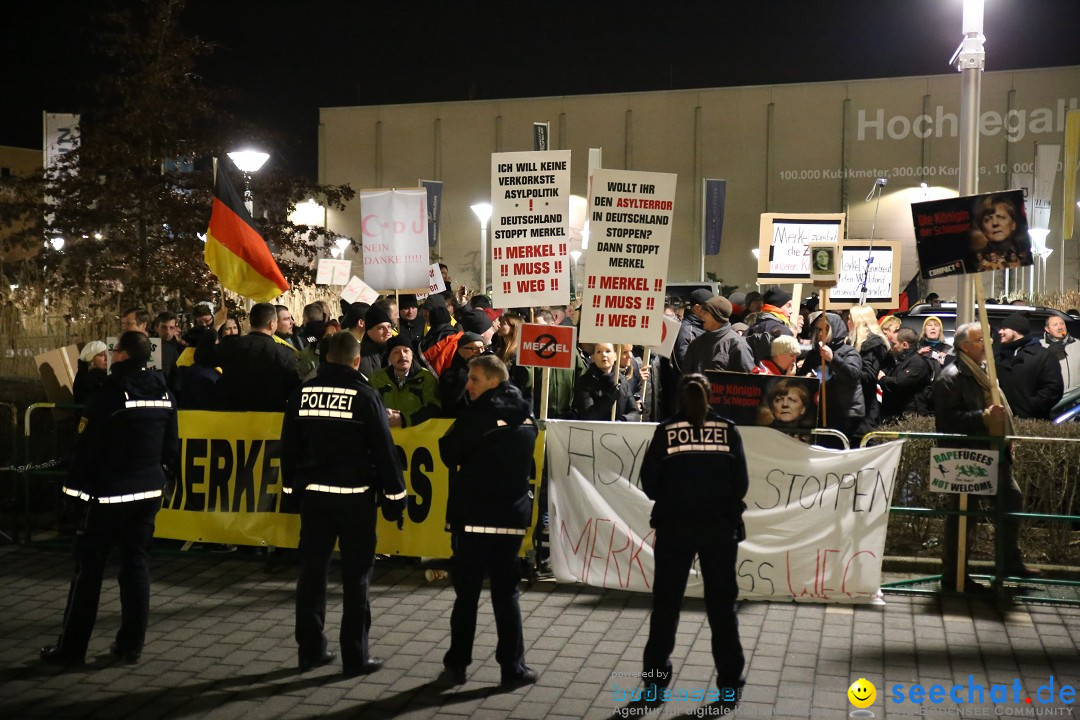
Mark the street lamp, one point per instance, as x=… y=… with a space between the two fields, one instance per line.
x=341 y=243
x=249 y=161
x=483 y=214
x=57 y=243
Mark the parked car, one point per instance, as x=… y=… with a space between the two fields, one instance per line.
x=946 y=312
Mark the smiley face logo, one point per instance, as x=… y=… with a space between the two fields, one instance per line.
x=862 y=693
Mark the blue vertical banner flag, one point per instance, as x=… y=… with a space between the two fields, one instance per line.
x=434 y=197
x=713 y=214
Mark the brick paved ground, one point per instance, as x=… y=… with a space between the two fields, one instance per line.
x=221 y=646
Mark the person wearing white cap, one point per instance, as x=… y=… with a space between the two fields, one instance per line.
x=91 y=373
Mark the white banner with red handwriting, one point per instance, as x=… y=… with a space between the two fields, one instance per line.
x=815 y=519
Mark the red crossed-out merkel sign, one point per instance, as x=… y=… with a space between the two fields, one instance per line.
x=550 y=346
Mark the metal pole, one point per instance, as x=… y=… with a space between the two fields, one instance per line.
x=970 y=61
x=483 y=258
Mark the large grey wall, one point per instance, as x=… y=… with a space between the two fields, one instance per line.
x=782 y=148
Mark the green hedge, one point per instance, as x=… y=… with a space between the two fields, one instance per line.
x=1047 y=472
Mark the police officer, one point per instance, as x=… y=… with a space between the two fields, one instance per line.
x=695 y=470
x=127 y=448
x=489 y=450
x=337 y=451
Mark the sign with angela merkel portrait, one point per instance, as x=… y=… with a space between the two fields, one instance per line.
x=783 y=402
x=971 y=234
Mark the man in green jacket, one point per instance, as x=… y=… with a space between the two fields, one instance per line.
x=409 y=392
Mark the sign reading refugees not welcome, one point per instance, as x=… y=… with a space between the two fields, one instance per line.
x=530 y=213
x=630 y=217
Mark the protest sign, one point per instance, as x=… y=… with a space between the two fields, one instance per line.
x=230 y=488
x=783 y=402
x=154 y=363
x=333 y=272
x=668 y=336
x=882 y=274
x=815 y=519
x=970 y=234
x=436 y=284
x=530 y=216
x=394 y=238
x=784 y=243
x=630 y=218
x=955 y=470
x=356 y=290
x=547 y=346
x=57 y=370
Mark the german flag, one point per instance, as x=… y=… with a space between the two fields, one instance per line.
x=235 y=251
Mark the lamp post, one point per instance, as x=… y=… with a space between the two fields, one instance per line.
x=483 y=214
x=249 y=161
x=970 y=59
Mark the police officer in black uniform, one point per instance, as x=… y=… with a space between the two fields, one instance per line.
x=489 y=450
x=127 y=448
x=695 y=470
x=337 y=451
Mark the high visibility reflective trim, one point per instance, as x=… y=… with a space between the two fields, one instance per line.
x=148 y=403
x=334 y=390
x=337 y=490
x=482 y=530
x=397 y=496
x=129 y=498
x=698 y=448
x=685 y=424
x=287 y=490
x=325 y=413
x=75 y=493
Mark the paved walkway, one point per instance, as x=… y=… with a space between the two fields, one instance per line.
x=221 y=646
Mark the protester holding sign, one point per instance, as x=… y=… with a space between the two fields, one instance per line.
x=962 y=404
x=839 y=367
x=599 y=388
x=696 y=472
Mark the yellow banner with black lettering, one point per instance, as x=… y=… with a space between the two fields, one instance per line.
x=230 y=488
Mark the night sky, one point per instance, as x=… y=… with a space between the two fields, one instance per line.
x=284 y=60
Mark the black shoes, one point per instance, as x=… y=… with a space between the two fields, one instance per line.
x=130 y=656
x=310 y=664
x=55 y=655
x=451 y=675
x=372 y=665
x=526 y=677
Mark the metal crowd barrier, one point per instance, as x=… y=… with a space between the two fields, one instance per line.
x=31 y=469
x=1019 y=588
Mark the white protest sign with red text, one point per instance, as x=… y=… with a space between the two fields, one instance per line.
x=394 y=238
x=550 y=346
x=630 y=217
x=668 y=336
x=530 y=214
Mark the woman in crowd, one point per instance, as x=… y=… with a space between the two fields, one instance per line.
x=873 y=347
x=92 y=372
x=231 y=326
x=932 y=344
x=784 y=351
x=839 y=367
x=505 y=345
x=598 y=389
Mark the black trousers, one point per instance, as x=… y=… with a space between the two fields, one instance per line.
x=130 y=527
x=326 y=519
x=716 y=547
x=1013 y=502
x=477 y=555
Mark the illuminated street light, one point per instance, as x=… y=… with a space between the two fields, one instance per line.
x=249 y=161
x=483 y=214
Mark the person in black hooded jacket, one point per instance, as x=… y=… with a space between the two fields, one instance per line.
x=488 y=514
x=1029 y=374
x=844 y=405
x=597 y=389
x=127 y=451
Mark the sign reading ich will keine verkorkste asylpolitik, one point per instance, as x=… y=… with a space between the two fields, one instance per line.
x=530 y=217
x=630 y=215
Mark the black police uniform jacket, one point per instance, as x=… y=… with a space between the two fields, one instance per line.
x=696 y=475
x=335 y=434
x=128 y=441
x=489 y=450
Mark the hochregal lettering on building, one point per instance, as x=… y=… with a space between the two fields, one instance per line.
x=1016 y=123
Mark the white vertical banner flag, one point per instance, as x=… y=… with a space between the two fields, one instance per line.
x=815 y=519
x=530 y=216
x=1046 y=170
x=394 y=238
x=61 y=136
x=630 y=216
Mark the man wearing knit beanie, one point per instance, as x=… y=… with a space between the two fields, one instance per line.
x=719 y=347
x=773 y=320
x=377 y=330
x=478 y=322
x=1029 y=375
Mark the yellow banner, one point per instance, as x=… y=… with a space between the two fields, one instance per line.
x=1072 y=162
x=230 y=491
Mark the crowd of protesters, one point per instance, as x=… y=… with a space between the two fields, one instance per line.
x=415 y=354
